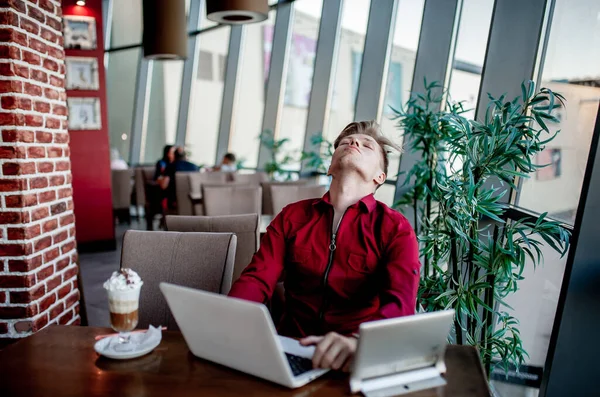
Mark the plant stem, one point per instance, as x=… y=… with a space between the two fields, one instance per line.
x=454 y=266
x=428 y=194
x=491 y=279
x=416 y=211
x=473 y=238
x=435 y=248
x=489 y=301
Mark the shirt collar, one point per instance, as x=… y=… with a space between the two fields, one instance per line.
x=367 y=203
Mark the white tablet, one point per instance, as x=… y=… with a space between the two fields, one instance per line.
x=401 y=355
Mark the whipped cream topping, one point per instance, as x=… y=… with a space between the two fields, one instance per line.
x=123 y=280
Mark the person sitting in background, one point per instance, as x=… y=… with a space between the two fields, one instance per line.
x=156 y=193
x=160 y=170
x=347 y=257
x=116 y=162
x=181 y=163
x=227 y=164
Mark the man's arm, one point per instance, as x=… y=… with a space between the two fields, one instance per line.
x=401 y=274
x=258 y=280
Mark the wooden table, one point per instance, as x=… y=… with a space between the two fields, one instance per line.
x=60 y=361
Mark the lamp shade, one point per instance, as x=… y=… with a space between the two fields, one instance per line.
x=165 y=35
x=237 y=12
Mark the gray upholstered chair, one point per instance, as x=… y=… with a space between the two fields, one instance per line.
x=267 y=200
x=121 y=193
x=196 y=260
x=284 y=195
x=194 y=195
x=183 y=188
x=254 y=179
x=213 y=178
x=245 y=227
x=231 y=199
x=142 y=175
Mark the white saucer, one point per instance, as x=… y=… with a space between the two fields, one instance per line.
x=144 y=344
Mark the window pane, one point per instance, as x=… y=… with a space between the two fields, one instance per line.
x=121 y=78
x=206 y=98
x=400 y=71
x=573 y=56
x=471 y=45
x=163 y=109
x=355 y=16
x=385 y=194
x=204 y=21
x=205 y=66
x=535 y=306
x=250 y=93
x=464 y=87
x=298 y=84
x=127 y=23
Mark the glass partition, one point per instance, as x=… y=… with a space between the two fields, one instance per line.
x=121 y=77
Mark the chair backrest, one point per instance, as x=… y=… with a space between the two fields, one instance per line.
x=197 y=179
x=267 y=201
x=183 y=188
x=245 y=227
x=231 y=199
x=284 y=195
x=254 y=179
x=121 y=188
x=196 y=260
x=142 y=175
x=215 y=177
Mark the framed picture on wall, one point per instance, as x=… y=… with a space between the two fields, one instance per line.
x=82 y=73
x=80 y=32
x=84 y=114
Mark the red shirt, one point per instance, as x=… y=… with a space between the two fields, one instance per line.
x=370 y=273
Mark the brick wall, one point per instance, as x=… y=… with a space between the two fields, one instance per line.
x=38 y=257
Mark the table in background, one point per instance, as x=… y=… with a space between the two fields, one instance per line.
x=60 y=361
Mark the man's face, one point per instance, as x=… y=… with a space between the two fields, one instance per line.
x=361 y=153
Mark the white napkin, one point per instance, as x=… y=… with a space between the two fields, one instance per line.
x=139 y=342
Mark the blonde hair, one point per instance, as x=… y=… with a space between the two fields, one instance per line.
x=372 y=129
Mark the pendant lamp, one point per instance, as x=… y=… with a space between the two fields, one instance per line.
x=237 y=12
x=165 y=35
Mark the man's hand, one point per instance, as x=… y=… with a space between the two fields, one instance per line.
x=332 y=350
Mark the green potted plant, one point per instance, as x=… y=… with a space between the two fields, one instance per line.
x=278 y=165
x=424 y=127
x=320 y=159
x=478 y=255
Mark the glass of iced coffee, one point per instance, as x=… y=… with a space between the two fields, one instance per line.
x=123 y=289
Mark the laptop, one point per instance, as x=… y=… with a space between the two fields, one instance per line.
x=401 y=355
x=240 y=335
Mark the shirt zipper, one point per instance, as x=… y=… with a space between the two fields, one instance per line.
x=332 y=248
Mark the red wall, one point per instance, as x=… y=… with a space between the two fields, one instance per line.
x=90 y=151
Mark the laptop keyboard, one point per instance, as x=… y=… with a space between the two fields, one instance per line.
x=299 y=365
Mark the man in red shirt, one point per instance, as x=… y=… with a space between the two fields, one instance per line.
x=347 y=258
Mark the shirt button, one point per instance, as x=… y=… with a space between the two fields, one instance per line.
x=415 y=272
